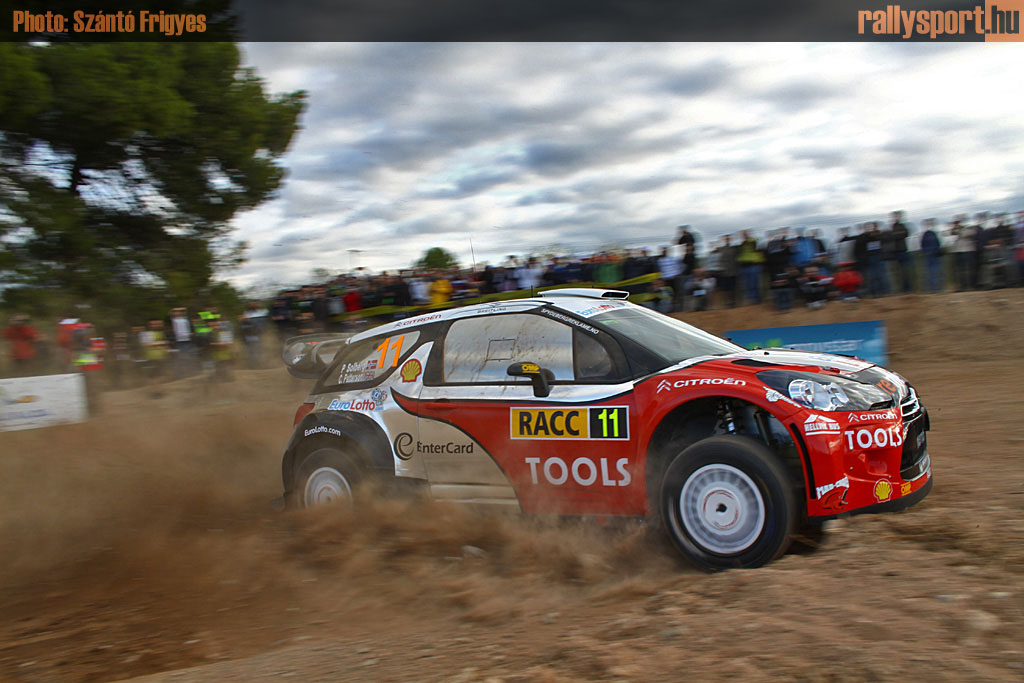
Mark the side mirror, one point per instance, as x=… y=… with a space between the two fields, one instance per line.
x=540 y=377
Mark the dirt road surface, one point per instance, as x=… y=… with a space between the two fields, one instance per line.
x=142 y=543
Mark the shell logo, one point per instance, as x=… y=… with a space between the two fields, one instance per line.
x=411 y=370
x=883 y=490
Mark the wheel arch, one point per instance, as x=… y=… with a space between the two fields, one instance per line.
x=706 y=416
x=356 y=434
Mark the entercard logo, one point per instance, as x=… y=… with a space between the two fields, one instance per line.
x=998 y=22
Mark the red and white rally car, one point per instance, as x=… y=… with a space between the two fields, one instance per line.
x=578 y=402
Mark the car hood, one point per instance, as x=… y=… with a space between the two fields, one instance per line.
x=768 y=358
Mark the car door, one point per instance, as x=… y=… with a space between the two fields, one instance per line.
x=490 y=436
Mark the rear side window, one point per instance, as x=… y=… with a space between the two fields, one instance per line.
x=367 y=361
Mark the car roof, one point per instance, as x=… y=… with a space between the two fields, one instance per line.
x=579 y=301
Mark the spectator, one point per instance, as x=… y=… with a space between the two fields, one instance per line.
x=686 y=237
x=223 y=343
x=182 y=346
x=320 y=309
x=804 y=248
x=815 y=287
x=995 y=266
x=895 y=242
x=727 y=272
x=980 y=226
x=663 y=297
x=878 y=279
x=121 y=367
x=1018 y=244
x=689 y=261
x=783 y=285
x=529 y=274
x=87 y=358
x=750 y=261
x=251 y=327
x=154 y=348
x=931 y=247
x=65 y=342
x=672 y=273
x=843 y=249
x=607 y=270
x=22 y=339
x=963 y=251
x=700 y=287
x=440 y=289
x=848 y=281
x=778 y=253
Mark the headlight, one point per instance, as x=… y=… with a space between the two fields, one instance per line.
x=826 y=393
x=818 y=395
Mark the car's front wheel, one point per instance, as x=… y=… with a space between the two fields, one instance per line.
x=325 y=476
x=728 y=502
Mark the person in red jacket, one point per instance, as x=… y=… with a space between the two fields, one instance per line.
x=848 y=281
x=22 y=338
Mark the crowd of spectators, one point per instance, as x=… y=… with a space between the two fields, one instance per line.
x=788 y=266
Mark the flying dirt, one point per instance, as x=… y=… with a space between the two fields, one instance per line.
x=143 y=543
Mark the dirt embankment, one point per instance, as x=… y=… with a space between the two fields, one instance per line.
x=143 y=542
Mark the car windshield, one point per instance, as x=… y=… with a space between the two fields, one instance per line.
x=672 y=339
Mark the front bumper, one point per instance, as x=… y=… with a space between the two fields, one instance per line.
x=894 y=505
x=870 y=462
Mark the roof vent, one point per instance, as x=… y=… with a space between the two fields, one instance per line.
x=586 y=293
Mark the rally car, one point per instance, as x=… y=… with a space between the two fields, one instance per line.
x=577 y=402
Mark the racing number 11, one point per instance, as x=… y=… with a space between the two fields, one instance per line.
x=396 y=344
x=605 y=418
x=609 y=423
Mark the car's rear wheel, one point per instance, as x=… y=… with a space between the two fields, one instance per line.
x=326 y=476
x=728 y=502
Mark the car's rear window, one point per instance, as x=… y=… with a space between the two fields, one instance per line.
x=368 y=360
x=671 y=339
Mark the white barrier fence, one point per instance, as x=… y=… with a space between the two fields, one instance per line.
x=33 y=402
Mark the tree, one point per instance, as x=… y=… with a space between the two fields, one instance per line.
x=437 y=257
x=121 y=164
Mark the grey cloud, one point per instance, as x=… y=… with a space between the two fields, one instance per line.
x=373 y=212
x=698 y=80
x=546 y=196
x=799 y=95
x=555 y=157
x=473 y=184
x=822 y=157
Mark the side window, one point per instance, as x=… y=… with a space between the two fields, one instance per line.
x=593 y=361
x=370 y=359
x=478 y=350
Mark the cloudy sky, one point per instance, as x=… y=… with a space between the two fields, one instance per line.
x=531 y=147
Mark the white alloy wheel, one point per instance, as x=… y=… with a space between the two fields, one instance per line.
x=722 y=509
x=326 y=485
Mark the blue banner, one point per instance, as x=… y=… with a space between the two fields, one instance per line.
x=866 y=340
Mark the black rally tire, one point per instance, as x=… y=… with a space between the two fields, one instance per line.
x=728 y=502
x=326 y=475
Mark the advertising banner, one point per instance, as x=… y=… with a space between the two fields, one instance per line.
x=866 y=340
x=33 y=402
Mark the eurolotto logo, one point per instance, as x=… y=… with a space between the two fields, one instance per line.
x=819 y=424
x=338 y=404
x=665 y=385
